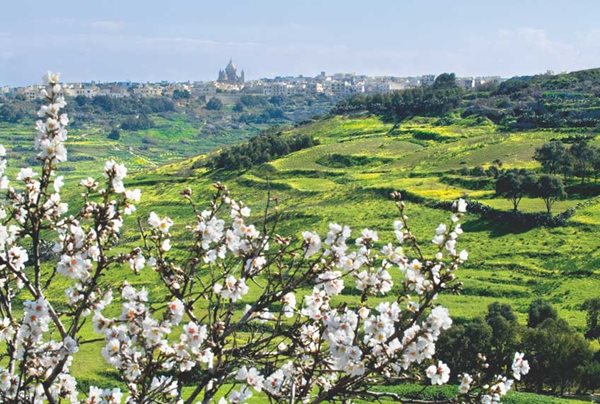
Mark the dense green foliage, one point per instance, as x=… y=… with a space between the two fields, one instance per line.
x=181 y=95
x=124 y=106
x=214 y=104
x=114 y=134
x=514 y=185
x=550 y=188
x=554 y=157
x=563 y=100
x=592 y=308
x=544 y=101
x=139 y=122
x=260 y=149
x=539 y=311
x=560 y=357
x=581 y=159
x=11 y=113
x=437 y=100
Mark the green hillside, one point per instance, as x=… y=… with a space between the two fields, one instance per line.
x=348 y=177
x=172 y=129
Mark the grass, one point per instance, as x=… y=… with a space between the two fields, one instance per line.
x=509 y=265
x=560 y=264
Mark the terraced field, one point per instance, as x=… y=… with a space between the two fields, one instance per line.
x=347 y=178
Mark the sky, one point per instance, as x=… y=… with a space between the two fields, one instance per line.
x=181 y=40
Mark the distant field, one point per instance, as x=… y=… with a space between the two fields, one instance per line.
x=170 y=140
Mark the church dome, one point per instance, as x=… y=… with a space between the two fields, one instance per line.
x=229 y=75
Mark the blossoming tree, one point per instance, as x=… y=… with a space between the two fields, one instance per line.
x=295 y=339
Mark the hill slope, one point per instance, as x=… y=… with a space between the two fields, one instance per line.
x=348 y=177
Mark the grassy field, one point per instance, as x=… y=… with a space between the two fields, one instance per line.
x=347 y=179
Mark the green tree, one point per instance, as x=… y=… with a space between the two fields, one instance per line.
x=514 y=185
x=277 y=100
x=592 y=308
x=493 y=172
x=551 y=156
x=539 y=311
x=590 y=376
x=556 y=355
x=478 y=171
x=505 y=332
x=214 y=104
x=114 y=134
x=181 y=94
x=445 y=80
x=10 y=113
x=495 y=168
x=460 y=344
x=596 y=166
x=584 y=158
x=551 y=189
x=139 y=122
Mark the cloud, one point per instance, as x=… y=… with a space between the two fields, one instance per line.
x=536 y=40
x=111 y=49
x=528 y=50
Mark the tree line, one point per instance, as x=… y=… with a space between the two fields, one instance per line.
x=138 y=122
x=515 y=184
x=125 y=105
x=19 y=109
x=525 y=102
x=260 y=149
x=561 y=358
x=581 y=160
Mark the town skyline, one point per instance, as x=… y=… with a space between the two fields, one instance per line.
x=251 y=78
x=231 y=80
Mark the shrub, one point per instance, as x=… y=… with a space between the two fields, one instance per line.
x=214 y=104
x=114 y=134
x=140 y=122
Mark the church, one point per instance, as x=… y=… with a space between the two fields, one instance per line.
x=229 y=75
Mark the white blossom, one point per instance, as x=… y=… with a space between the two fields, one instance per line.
x=519 y=366
x=439 y=374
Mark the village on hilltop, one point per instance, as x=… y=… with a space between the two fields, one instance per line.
x=229 y=82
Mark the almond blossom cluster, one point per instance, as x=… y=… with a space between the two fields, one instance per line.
x=137 y=342
x=242 y=310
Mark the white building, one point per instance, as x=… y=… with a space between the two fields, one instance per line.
x=84 y=90
x=279 y=88
x=148 y=90
x=342 y=88
x=30 y=93
x=204 y=89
